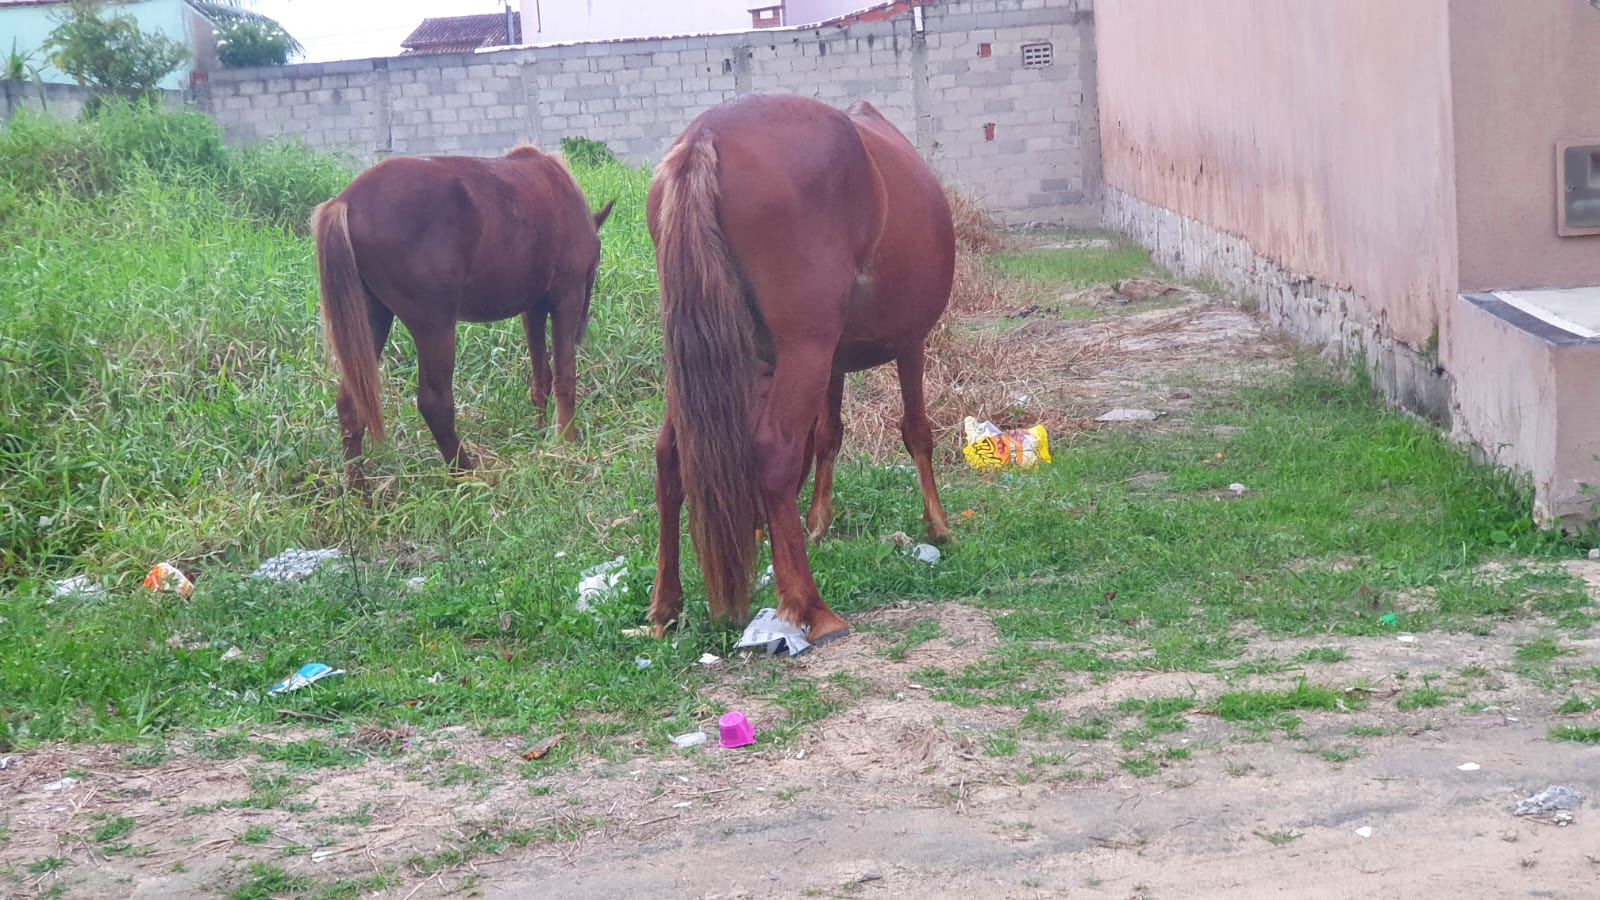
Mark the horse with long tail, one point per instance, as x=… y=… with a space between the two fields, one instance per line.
x=795 y=243
x=445 y=239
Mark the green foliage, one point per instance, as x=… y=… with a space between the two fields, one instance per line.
x=586 y=152
x=111 y=53
x=246 y=43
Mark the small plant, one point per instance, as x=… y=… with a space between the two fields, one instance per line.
x=111 y=53
x=256 y=834
x=586 y=152
x=1278 y=838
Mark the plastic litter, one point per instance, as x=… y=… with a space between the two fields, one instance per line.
x=232 y=653
x=307 y=674
x=1594 y=552
x=62 y=786
x=926 y=553
x=1468 y=767
x=1364 y=831
x=642 y=662
x=1126 y=415
x=294 y=564
x=692 y=739
x=1407 y=639
x=1237 y=489
x=77 y=586
x=768 y=631
x=598 y=582
x=734 y=730
x=166 y=577
x=417 y=583
x=1388 y=619
x=988 y=447
x=1556 y=802
x=765 y=579
x=710 y=659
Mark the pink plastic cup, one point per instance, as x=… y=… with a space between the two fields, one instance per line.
x=736 y=730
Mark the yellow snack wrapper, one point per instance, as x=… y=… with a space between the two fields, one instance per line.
x=990 y=448
x=166 y=577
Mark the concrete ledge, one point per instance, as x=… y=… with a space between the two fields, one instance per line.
x=1524 y=398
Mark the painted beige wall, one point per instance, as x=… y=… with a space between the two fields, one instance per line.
x=1320 y=132
x=1526 y=75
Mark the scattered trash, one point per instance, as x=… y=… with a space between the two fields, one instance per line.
x=435 y=678
x=683 y=804
x=769 y=631
x=1127 y=415
x=1237 y=489
x=710 y=659
x=734 y=730
x=1594 y=552
x=77 y=586
x=598 y=582
x=1388 y=619
x=166 y=577
x=899 y=539
x=638 y=631
x=294 y=564
x=1407 y=639
x=307 y=674
x=1364 y=831
x=642 y=662
x=417 y=583
x=232 y=653
x=1555 y=802
x=765 y=579
x=990 y=448
x=538 y=751
x=692 y=739
x=926 y=553
x=62 y=786
x=561 y=554
x=1468 y=767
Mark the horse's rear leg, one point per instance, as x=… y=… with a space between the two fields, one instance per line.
x=917 y=432
x=539 y=383
x=829 y=437
x=351 y=429
x=436 y=363
x=565 y=323
x=798 y=385
x=666 y=598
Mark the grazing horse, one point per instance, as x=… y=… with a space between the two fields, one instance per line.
x=446 y=239
x=794 y=243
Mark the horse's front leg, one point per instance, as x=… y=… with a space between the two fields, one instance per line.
x=539 y=383
x=565 y=324
x=436 y=363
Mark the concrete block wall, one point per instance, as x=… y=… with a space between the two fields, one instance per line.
x=1024 y=141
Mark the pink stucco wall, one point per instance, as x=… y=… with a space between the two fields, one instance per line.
x=1527 y=75
x=1319 y=132
x=601 y=20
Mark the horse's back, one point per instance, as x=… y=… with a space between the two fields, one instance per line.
x=499 y=228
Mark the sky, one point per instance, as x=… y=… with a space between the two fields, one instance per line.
x=357 y=29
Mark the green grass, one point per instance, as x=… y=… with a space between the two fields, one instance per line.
x=1575 y=734
x=164 y=396
x=1079 y=267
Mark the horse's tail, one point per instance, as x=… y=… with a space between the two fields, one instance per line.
x=710 y=336
x=344 y=312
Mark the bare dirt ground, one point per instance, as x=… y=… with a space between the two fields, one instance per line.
x=896 y=793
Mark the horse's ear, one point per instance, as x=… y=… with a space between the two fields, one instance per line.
x=600 y=217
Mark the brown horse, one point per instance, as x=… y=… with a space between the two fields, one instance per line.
x=446 y=239
x=794 y=243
